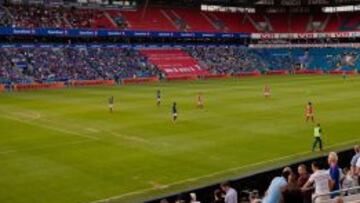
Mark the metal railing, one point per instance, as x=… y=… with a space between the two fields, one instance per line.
x=344 y=193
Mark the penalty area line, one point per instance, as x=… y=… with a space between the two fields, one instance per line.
x=49 y=127
x=189 y=180
x=44 y=147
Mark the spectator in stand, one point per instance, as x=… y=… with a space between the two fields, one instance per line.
x=218 y=196
x=193 y=198
x=231 y=195
x=357 y=172
x=322 y=181
x=301 y=181
x=349 y=181
x=291 y=193
x=164 y=201
x=355 y=158
x=334 y=171
x=273 y=193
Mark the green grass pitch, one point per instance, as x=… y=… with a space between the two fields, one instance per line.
x=64 y=146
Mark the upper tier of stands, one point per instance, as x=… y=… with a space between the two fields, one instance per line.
x=87 y=63
x=175 y=19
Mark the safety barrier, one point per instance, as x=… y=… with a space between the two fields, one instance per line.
x=38 y=86
x=340 y=72
x=350 y=195
x=309 y=72
x=182 y=77
x=277 y=72
x=216 y=76
x=127 y=81
x=2 y=88
x=84 y=83
x=254 y=73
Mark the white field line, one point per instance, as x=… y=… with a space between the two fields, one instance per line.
x=50 y=127
x=189 y=180
x=44 y=147
x=130 y=138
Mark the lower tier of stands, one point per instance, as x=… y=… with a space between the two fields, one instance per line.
x=54 y=63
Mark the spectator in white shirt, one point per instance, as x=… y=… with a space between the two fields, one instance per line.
x=231 y=195
x=193 y=198
x=358 y=167
x=355 y=158
x=321 y=180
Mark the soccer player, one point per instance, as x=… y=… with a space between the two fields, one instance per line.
x=309 y=112
x=200 y=101
x=174 y=112
x=344 y=75
x=267 y=91
x=158 y=97
x=317 y=136
x=111 y=104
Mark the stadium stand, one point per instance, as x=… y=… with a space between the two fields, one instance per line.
x=24 y=65
x=152 y=19
x=290 y=184
x=174 y=62
x=174 y=19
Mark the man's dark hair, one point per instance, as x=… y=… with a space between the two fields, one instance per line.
x=303 y=166
x=225 y=184
x=285 y=174
x=316 y=164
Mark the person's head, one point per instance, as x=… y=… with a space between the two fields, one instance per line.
x=302 y=169
x=357 y=149
x=332 y=158
x=346 y=170
x=174 y=104
x=164 y=201
x=192 y=196
x=315 y=166
x=286 y=172
x=225 y=186
x=309 y=103
x=318 y=125
x=338 y=200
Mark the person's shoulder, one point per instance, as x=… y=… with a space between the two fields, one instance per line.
x=358 y=162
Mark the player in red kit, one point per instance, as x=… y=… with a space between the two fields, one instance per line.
x=309 y=112
x=267 y=91
x=200 y=101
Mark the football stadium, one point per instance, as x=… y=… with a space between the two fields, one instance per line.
x=179 y=101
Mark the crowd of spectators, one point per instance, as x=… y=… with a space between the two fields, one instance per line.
x=56 y=17
x=120 y=63
x=90 y=62
x=226 y=59
x=69 y=63
x=37 y=17
x=299 y=186
x=235 y=59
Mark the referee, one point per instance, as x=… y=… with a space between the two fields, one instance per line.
x=317 y=136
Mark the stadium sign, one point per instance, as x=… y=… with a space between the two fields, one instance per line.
x=113 y=33
x=320 y=35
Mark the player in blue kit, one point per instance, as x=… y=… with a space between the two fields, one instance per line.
x=174 y=112
x=158 y=98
